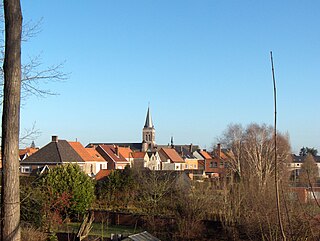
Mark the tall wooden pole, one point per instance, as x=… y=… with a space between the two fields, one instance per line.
x=276 y=181
x=10 y=192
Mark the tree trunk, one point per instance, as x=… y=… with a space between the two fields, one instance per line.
x=10 y=193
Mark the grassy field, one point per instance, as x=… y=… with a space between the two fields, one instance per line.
x=99 y=229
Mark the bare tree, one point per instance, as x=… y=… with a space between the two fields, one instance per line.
x=33 y=74
x=309 y=171
x=10 y=195
x=251 y=151
x=232 y=139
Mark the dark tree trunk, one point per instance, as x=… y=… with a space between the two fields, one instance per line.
x=10 y=193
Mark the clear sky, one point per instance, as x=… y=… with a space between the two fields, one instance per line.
x=201 y=64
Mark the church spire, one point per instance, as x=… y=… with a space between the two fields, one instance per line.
x=148 y=133
x=148 y=123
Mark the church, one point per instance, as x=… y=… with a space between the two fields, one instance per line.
x=148 y=143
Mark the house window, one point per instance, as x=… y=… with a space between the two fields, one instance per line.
x=221 y=165
x=26 y=169
x=215 y=164
x=186 y=165
x=211 y=164
x=103 y=166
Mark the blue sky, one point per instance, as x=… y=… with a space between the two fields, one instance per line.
x=201 y=64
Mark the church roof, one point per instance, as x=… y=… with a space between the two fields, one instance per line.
x=148 y=123
x=133 y=146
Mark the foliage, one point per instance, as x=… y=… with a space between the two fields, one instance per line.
x=69 y=183
x=32 y=201
x=307 y=150
x=52 y=237
x=118 y=189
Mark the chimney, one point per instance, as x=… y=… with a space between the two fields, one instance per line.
x=54 y=138
x=117 y=150
x=190 y=147
x=219 y=150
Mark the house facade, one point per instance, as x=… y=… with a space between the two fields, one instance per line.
x=215 y=163
x=296 y=163
x=139 y=159
x=111 y=153
x=171 y=160
x=59 y=152
x=154 y=161
x=94 y=162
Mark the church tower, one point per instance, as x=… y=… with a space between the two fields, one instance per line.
x=148 y=133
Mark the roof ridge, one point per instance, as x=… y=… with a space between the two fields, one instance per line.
x=56 y=143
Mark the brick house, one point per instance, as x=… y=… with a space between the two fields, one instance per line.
x=111 y=153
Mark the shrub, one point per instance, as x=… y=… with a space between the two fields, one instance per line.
x=69 y=188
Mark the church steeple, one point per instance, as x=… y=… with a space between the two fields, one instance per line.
x=148 y=123
x=148 y=133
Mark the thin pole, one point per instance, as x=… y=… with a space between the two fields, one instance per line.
x=276 y=181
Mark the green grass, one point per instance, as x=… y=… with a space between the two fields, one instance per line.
x=99 y=229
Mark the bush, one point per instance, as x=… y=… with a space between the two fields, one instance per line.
x=68 y=189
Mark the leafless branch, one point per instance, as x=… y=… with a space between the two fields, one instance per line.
x=29 y=134
x=31 y=29
x=33 y=78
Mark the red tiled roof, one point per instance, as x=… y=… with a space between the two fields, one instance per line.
x=125 y=152
x=28 y=150
x=111 y=152
x=139 y=154
x=102 y=174
x=95 y=155
x=79 y=148
x=223 y=156
x=206 y=155
x=172 y=155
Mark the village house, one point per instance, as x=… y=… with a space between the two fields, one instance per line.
x=139 y=159
x=26 y=152
x=59 y=152
x=216 y=163
x=125 y=152
x=171 y=160
x=113 y=157
x=201 y=159
x=186 y=152
x=296 y=162
x=94 y=162
x=154 y=161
